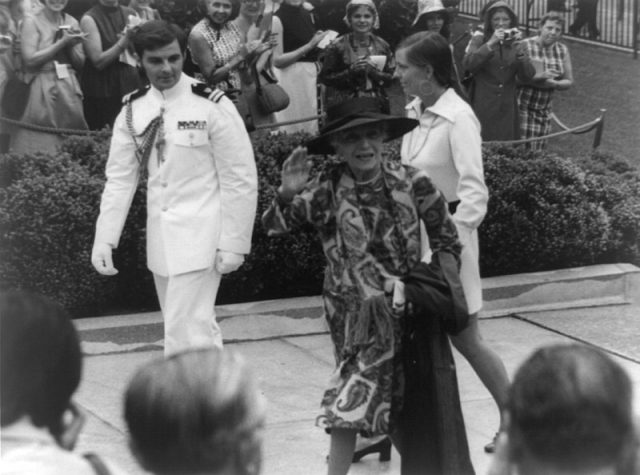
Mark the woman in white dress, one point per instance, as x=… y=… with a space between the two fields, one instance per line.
x=447 y=145
x=52 y=56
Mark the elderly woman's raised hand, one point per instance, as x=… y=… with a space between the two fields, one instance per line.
x=295 y=173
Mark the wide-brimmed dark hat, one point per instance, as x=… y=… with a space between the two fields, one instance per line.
x=354 y=113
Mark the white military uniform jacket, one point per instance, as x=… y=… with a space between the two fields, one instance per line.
x=201 y=198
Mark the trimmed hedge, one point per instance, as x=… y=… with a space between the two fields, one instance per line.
x=545 y=212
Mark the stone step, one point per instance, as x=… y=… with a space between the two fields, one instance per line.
x=606 y=284
x=601 y=285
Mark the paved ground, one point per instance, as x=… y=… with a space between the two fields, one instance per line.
x=286 y=343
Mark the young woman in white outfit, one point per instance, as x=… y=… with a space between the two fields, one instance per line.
x=447 y=145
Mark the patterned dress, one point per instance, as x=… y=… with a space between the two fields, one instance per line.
x=535 y=102
x=225 y=44
x=370 y=233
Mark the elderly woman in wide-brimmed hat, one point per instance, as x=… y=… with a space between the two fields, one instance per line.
x=367 y=210
x=358 y=63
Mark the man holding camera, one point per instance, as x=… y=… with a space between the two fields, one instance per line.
x=201 y=188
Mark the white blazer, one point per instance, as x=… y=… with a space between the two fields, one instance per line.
x=447 y=146
x=201 y=198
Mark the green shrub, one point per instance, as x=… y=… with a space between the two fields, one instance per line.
x=47 y=224
x=49 y=204
x=546 y=213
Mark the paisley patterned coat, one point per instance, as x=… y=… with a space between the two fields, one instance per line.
x=370 y=233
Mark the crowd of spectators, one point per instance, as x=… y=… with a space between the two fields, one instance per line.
x=77 y=69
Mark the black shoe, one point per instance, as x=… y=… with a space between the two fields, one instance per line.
x=491 y=446
x=383 y=448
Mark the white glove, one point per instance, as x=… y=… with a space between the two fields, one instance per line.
x=228 y=261
x=102 y=260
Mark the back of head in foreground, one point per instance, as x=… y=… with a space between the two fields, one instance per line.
x=198 y=411
x=40 y=363
x=570 y=412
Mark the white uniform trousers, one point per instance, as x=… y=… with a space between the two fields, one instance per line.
x=187 y=302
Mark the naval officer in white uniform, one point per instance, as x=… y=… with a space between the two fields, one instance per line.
x=201 y=190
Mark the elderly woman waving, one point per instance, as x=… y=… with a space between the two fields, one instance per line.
x=367 y=211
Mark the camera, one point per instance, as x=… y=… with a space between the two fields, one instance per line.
x=512 y=34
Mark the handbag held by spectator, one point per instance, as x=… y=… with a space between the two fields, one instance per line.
x=271 y=96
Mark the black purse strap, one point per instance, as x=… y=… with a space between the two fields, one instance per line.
x=96 y=462
x=256 y=78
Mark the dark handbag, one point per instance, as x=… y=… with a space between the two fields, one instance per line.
x=15 y=98
x=271 y=97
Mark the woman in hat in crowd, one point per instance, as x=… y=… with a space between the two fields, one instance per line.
x=367 y=211
x=496 y=59
x=358 y=63
x=433 y=16
x=447 y=146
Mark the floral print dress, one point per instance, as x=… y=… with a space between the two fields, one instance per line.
x=370 y=233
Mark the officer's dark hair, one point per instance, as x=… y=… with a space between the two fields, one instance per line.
x=155 y=34
x=40 y=359
x=235 y=9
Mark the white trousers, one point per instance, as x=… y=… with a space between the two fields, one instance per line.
x=187 y=302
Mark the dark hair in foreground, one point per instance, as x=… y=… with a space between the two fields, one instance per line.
x=570 y=408
x=155 y=34
x=198 y=411
x=430 y=48
x=40 y=359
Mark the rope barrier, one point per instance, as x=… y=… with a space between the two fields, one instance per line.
x=46 y=130
x=580 y=129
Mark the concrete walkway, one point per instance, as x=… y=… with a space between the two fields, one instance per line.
x=287 y=344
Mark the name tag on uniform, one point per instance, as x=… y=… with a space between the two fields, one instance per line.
x=192 y=124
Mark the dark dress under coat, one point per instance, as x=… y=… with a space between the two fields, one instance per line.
x=493 y=94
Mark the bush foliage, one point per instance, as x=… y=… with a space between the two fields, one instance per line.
x=545 y=212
